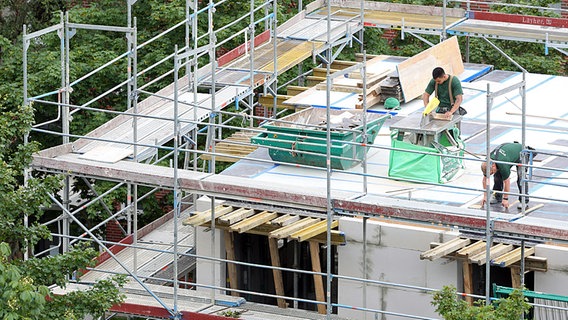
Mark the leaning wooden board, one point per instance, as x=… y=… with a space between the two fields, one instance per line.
x=415 y=72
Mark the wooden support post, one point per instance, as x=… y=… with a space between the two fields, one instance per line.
x=276 y=273
x=318 y=282
x=467 y=281
x=515 y=277
x=231 y=267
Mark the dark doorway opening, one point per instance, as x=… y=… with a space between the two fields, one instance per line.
x=254 y=249
x=499 y=276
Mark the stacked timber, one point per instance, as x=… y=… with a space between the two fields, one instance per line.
x=354 y=82
x=234 y=147
x=390 y=87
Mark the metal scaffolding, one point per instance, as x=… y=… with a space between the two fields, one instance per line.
x=128 y=149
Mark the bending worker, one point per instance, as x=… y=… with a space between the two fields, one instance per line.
x=448 y=90
x=506 y=152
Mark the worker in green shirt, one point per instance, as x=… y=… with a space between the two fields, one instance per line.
x=506 y=152
x=448 y=90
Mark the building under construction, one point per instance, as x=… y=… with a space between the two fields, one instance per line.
x=345 y=208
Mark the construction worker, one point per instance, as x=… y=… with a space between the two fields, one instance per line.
x=511 y=153
x=448 y=90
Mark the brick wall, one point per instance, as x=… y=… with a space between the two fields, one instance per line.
x=160 y=196
x=262 y=111
x=113 y=231
x=477 y=6
x=565 y=7
x=390 y=34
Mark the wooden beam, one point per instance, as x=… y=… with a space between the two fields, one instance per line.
x=371 y=101
x=533 y=263
x=218 y=158
x=471 y=250
x=337 y=238
x=444 y=249
x=236 y=216
x=286 y=231
x=313 y=230
x=340 y=88
x=253 y=221
x=277 y=273
x=513 y=256
x=359 y=56
x=515 y=277
x=342 y=64
x=285 y=220
x=495 y=251
x=375 y=79
x=205 y=216
x=231 y=267
x=268 y=101
x=312 y=81
x=467 y=281
x=531 y=209
x=322 y=72
x=294 y=90
x=318 y=282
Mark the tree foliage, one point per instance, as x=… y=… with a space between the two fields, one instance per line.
x=24 y=292
x=451 y=307
x=531 y=56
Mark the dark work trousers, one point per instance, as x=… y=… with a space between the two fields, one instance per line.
x=498 y=184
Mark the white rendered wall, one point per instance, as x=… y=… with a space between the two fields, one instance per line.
x=393 y=255
x=555 y=279
x=209 y=272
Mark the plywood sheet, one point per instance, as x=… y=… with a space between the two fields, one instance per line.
x=415 y=72
x=107 y=154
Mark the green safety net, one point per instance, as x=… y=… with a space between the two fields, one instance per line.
x=434 y=167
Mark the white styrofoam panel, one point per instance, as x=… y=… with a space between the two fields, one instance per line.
x=397 y=266
x=398 y=301
x=351 y=260
x=206 y=248
x=441 y=272
x=409 y=237
x=557 y=257
x=353 y=230
x=204 y=203
x=351 y=295
x=551 y=281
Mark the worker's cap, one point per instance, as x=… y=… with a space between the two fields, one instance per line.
x=392 y=103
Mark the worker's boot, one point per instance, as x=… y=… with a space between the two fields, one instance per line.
x=520 y=206
x=495 y=199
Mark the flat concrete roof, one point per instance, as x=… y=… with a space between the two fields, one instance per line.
x=546 y=123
